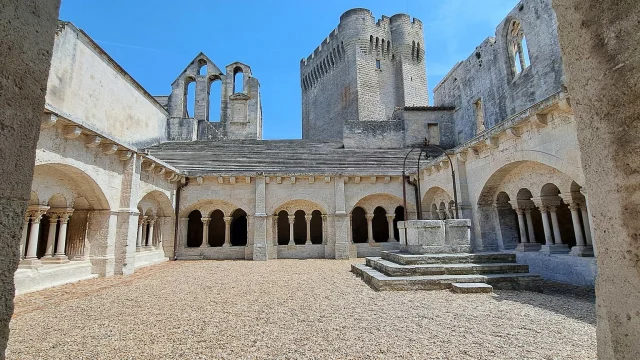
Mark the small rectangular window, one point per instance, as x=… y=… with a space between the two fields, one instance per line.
x=378 y=64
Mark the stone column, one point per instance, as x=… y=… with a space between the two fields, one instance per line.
x=548 y=236
x=532 y=235
x=51 y=238
x=292 y=218
x=205 y=232
x=587 y=227
x=390 y=218
x=274 y=225
x=139 y=238
x=25 y=234
x=152 y=222
x=62 y=237
x=31 y=259
x=307 y=219
x=350 y=234
x=581 y=248
x=369 y=227
x=227 y=231
x=324 y=230
x=525 y=243
x=550 y=247
x=556 y=226
x=145 y=221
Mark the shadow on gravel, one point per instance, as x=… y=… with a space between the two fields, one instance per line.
x=572 y=301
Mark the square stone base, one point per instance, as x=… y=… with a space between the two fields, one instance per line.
x=30 y=264
x=55 y=259
x=528 y=247
x=583 y=251
x=554 y=249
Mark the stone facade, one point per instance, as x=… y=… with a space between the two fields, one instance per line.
x=146 y=180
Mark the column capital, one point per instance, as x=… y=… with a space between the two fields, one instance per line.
x=519 y=211
x=369 y=217
x=307 y=218
x=324 y=216
x=552 y=208
x=227 y=219
x=205 y=220
x=575 y=206
x=391 y=216
x=36 y=212
x=545 y=208
x=152 y=220
x=528 y=209
x=291 y=218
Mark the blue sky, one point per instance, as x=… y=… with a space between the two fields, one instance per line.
x=155 y=40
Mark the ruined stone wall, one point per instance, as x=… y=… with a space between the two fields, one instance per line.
x=488 y=75
x=86 y=86
x=362 y=72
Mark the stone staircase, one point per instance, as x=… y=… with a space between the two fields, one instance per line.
x=462 y=273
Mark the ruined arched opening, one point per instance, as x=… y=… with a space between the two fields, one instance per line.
x=194 y=229
x=399 y=217
x=217 y=229
x=380 y=225
x=239 y=228
x=359 y=229
x=202 y=67
x=189 y=97
x=238 y=80
x=215 y=99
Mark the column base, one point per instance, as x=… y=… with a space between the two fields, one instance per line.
x=149 y=248
x=30 y=264
x=582 y=251
x=138 y=248
x=57 y=259
x=555 y=249
x=226 y=245
x=528 y=247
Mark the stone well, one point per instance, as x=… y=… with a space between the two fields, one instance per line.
x=435 y=236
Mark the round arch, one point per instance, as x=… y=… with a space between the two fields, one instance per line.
x=68 y=181
x=434 y=196
x=386 y=201
x=158 y=202
x=292 y=206
x=207 y=206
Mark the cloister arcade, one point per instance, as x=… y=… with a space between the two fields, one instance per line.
x=217 y=229
x=374 y=219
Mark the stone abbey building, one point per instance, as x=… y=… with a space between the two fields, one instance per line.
x=124 y=179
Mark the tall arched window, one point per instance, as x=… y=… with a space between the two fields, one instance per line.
x=300 y=228
x=399 y=217
x=316 y=227
x=215 y=98
x=518 y=51
x=380 y=225
x=238 y=80
x=359 y=231
x=239 y=228
x=189 y=97
x=216 y=228
x=283 y=228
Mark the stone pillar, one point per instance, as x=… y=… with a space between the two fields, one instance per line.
x=556 y=226
x=350 y=235
x=292 y=218
x=307 y=219
x=524 y=219
x=558 y=247
x=152 y=222
x=581 y=248
x=548 y=236
x=227 y=231
x=390 y=218
x=62 y=237
x=205 y=232
x=139 y=238
x=369 y=227
x=145 y=222
x=25 y=234
x=32 y=247
x=532 y=235
x=275 y=230
x=324 y=230
x=51 y=238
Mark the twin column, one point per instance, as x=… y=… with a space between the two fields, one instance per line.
x=31 y=233
x=146 y=232
x=227 y=231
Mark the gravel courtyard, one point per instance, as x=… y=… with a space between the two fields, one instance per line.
x=288 y=309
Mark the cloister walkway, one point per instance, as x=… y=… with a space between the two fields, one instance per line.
x=290 y=309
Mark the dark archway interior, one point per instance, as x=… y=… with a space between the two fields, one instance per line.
x=43 y=234
x=239 y=228
x=283 y=228
x=194 y=229
x=359 y=225
x=380 y=225
x=565 y=222
x=216 y=228
x=316 y=227
x=299 y=228
x=399 y=217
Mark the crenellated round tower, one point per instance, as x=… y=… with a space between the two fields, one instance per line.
x=362 y=71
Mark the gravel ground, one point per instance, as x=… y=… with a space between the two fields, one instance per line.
x=290 y=309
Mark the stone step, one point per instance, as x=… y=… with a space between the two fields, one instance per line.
x=392 y=269
x=381 y=282
x=471 y=288
x=477 y=258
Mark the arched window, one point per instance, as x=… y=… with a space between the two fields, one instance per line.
x=388 y=47
x=316 y=227
x=215 y=98
x=238 y=80
x=202 y=67
x=399 y=217
x=189 y=97
x=194 y=229
x=382 y=46
x=216 y=228
x=377 y=44
x=239 y=228
x=370 y=44
x=359 y=231
x=380 y=225
x=418 y=52
x=518 y=51
x=283 y=228
x=299 y=228
x=413 y=50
